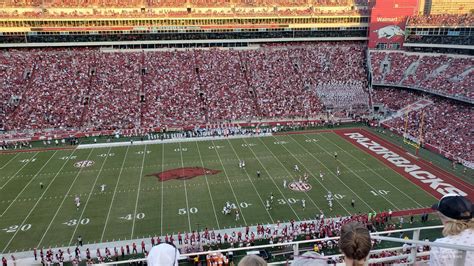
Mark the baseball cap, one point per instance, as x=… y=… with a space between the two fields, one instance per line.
x=455 y=207
x=163 y=255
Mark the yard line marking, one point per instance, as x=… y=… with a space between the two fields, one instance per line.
x=255 y=188
x=268 y=173
x=330 y=171
x=13 y=176
x=309 y=172
x=38 y=201
x=162 y=187
x=10 y=160
x=64 y=199
x=185 y=190
x=138 y=193
x=24 y=187
x=89 y=197
x=113 y=196
x=372 y=170
x=357 y=175
x=208 y=188
x=317 y=144
x=230 y=184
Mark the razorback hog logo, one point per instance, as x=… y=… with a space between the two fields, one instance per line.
x=389 y=32
x=184 y=173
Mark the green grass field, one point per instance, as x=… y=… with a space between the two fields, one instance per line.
x=135 y=205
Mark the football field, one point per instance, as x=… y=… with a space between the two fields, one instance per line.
x=136 y=204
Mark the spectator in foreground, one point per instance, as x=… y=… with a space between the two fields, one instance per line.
x=252 y=260
x=355 y=243
x=163 y=254
x=455 y=212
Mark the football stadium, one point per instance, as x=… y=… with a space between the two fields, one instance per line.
x=236 y=132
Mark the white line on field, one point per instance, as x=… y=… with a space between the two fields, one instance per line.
x=11 y=178
x=185 y=190
x=372 y=170
x=37 y=202
x=330 y=171
x=25 y=186
x=230 y=184
x=307 y=171
x=10 y=160
x=268 y=173
x=208 y=188
x=62 y=202
x=250 y=179
x=89 y=197
x=138 y=193
x=162 y=187
x=357 y=175
x=113 y=196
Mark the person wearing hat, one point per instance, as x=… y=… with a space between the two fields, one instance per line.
x=455 y=212
x=164 y=254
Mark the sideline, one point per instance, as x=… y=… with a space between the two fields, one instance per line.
x=175 y=140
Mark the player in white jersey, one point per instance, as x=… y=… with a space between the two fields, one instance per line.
x=77 y=201
x=338 y=172
x=284 y=183
x=330 y=204
x=102 y=187
x=243 y=164
x=296 y=168
x=321 y=175
x=237 y=215
x=271 y=198
x=267 y=205
x=300 y=180
x=303 y=203
x=305 y=177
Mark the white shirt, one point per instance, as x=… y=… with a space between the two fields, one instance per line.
x=445 y=256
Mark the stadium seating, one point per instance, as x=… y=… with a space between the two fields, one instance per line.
x=442 y=20
x=103 y=90
x=442 y=74
x=446 y=122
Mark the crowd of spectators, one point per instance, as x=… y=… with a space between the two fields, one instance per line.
x=447 y=124
x=442 y=74
x=121 y=90
x=178 y=13
x=177 y=3
x=442 y=20
x=188 y=242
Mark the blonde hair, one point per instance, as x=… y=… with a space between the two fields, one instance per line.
x=252 y=260
x=455 y=227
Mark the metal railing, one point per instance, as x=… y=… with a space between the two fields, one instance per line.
x=412 y=257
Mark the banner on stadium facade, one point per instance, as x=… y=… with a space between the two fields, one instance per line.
x=387 y=22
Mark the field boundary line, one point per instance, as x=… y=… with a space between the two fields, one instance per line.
x=309 y=172
x=230 y=184
x=16 y=173
x=9 y=161
x=169 y=141
x=24 y=187
x=271 y=178
x=366 y=166
x=38 y=201
x=208 y=187
x=330 y=171
x=253 y=185
x=138 y=193
x=357 y=175
x=113 y=196
x=62 y=202
x=89 y=197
